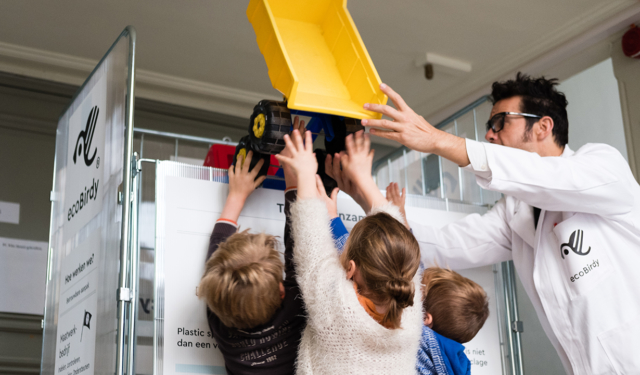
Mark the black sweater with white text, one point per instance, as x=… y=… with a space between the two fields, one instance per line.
x=270 y=348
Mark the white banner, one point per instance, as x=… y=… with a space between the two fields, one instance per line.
x=75 y=349
x=86 y=219
x=191 y=209
x=10 y=212
x=23 y=270
x=85 y=160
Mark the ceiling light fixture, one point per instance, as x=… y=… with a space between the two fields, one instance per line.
x=433 y=63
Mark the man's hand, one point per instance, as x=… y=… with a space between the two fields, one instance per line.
x=242 y=182
x=412 y=130
x=331 y=202
x=290 y=177
x=394 y=196
x=302 y=162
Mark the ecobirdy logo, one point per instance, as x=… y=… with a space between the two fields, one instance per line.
x=83 y=190
x=575 y=245
x=85 y=138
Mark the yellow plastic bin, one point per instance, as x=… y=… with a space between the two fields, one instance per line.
x=315 y=56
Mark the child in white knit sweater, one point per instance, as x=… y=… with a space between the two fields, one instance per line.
x=364 y=310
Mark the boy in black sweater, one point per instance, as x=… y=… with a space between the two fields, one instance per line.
x=256 y=317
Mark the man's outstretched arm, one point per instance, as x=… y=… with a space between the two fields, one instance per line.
x=412 y=130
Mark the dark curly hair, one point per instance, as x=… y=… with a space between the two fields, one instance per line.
x=539 y=97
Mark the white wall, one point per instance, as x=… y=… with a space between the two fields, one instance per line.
x=594 y=108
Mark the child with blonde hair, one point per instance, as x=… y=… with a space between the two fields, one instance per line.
x=363 y=307
x=255 y=315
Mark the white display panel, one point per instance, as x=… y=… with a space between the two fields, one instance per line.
x=77 y=316
x=9 y=212
x=83 y=191
x=80 y=317
x=188 y=205
x=23 y=267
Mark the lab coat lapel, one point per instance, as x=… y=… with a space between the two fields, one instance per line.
x=522 y=223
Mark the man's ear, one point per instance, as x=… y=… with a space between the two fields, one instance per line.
x=352 y=270
x=281 y=290
x=544 y=128
x=428 y=320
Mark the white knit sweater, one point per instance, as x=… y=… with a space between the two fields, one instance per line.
x=340 y=337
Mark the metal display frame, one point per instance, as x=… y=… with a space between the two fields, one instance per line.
x=125 y=278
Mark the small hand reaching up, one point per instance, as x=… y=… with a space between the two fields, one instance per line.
x=242 y=182
x=358 y=159
x=394 y=196
x=356 y=171
x=290 y=177
x=331 y=202
x=333 y=168
x=302 y=162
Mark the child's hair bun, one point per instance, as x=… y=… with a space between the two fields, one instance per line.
x=401 y=291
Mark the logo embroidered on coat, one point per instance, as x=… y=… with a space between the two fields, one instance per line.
x=574 y=244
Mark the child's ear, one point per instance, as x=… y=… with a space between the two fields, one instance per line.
x=352 y=270
x=281 y=290
x=428 y=320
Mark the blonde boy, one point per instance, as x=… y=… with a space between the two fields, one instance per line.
x=255 y=315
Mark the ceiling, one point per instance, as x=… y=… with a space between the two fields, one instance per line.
x=207 y=53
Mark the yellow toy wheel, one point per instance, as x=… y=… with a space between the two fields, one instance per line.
x=268 y=124
x=258 y=125
x=242 y=155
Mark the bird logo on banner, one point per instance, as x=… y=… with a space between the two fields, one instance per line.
x=85 y=138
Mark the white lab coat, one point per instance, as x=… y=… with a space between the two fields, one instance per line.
x=588 y=301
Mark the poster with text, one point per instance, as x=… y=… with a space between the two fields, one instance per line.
x=75 y=347
x=23 y=271
x=85 y=160
x=191 y=209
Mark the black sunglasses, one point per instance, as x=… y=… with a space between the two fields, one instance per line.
x=496 y=123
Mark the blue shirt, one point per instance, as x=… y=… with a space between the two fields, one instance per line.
x=340 y=233
x=439 y=355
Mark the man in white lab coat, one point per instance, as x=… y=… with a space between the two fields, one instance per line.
x=569 y=220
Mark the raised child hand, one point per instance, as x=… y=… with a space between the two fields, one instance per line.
x=331 y=202
x=333 y=168
x=356 y=171
x=394 y=196
x=290 y=177
x=242 y=182
x=302 y=162
x=358 y=160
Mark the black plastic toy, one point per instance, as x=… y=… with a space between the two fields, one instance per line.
x=271 y=120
